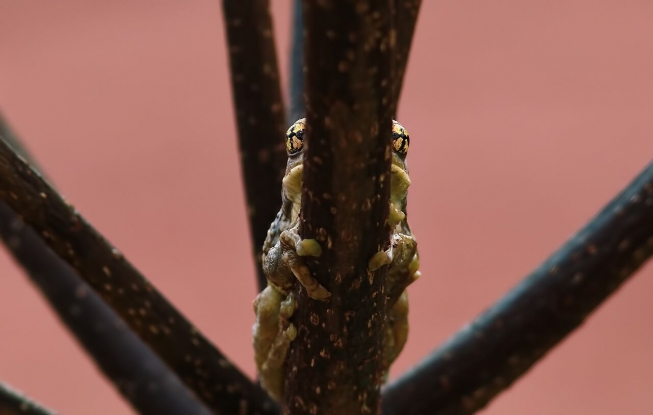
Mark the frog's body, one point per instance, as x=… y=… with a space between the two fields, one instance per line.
x=283 y=263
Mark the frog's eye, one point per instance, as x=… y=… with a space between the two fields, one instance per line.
x=400 y=138
x=295 y=137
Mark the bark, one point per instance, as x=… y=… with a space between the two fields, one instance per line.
x=260 y=115
x=296 y=81
x=405 y=19
x=15 y=403
x=488 y=355
x=138 y=374
x=335 y=365
x=203 y=368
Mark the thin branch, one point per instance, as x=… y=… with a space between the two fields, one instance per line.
x=296 y=81
x=405 y=19
x=202 y=367
x=140 y=376
x=487 y=356
x=7 y=134
x=344 y=206
x=15 y=403
x=260 y=115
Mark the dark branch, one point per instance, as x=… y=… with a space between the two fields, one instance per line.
x=140 y=376
x=15 y=403
x=344 y=206
x=296 y=81
x=487 y=356
x=7 y=134
x=405 y=19
x=147 y=313
x=260 y=115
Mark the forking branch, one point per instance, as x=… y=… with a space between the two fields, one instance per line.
x=203 y=368
x=123 y=358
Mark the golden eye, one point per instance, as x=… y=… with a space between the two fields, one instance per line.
x=400 y=138
x=295 y=137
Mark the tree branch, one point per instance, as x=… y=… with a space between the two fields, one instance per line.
x=140 y=376
x=7 y=134
x=487 y=356
x=345 y=202
x=405 y=19
x=165 y=330
x=15 y=403
x=296 y=81
x=260 y=115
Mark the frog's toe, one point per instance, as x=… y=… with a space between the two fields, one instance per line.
x=290 y=239
x=319 y=293
x=400 y=253
x=380 y=259
x=288 y=306
x=396 y=215
x=308 y=247
x=291 y=332
x=313 y=288
x=413 y=268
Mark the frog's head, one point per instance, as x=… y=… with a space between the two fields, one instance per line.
x=292 y=181
x=400 y=143
x=399 y=180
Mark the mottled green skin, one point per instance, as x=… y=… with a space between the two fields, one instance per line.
x=283 y=263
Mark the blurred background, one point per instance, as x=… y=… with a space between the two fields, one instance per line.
x=524 y=121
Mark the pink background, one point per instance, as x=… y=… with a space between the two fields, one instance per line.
x=525 y=120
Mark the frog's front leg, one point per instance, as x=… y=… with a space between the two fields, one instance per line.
x=272 y=336
x=403 y=262
x=285 y=261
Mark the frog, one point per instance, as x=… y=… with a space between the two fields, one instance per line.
x=284 y=262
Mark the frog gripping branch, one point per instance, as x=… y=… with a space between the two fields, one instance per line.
x=336 y=260
x=338 y=366
x=283 y=262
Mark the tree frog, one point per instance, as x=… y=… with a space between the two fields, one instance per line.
x=283 y=262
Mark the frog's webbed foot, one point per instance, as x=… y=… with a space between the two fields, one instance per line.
x=294 y=249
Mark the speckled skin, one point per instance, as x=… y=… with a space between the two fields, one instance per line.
x=282 y=263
